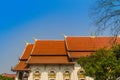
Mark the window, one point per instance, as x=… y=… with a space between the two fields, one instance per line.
x=36 y=75
x=66 y=75
x=51 y=75
x=81 y=75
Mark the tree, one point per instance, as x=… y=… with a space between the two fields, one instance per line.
x=103 y=64
x=106 y=15
x=5 y=78
x=116 y=50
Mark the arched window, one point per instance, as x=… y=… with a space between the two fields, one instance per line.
x=52 y=75
x=66 y=75
x=36 y=75
x=81 y=75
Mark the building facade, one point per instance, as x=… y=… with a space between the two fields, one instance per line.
x=56 y=59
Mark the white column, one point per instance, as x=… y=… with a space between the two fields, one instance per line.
x=17 y=76
x=30 y=77
x=76 y=69
x=59 y=76
x=44 y=76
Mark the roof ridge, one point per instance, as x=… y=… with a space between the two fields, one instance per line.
x=90 y=36
x=49 y=40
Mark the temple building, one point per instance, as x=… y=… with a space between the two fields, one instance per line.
x=56 y=59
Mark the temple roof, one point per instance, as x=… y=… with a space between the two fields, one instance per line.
x=61 y=51
x=79 y=54
x=49 y=47
x=49 y=60
x=88 y=43
x=27 y=51
x=85 y=46
x=21 y=66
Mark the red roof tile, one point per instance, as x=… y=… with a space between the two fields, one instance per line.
x=21 y=66
x=79 y=43
x=48 y=60
x=59 y=51
x=49 y=47
x=26 y=52
x=9 y=75
x=79 y=54
x=104 y=42
x=88 y=43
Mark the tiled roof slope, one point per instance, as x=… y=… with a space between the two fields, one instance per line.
x=79 y=43
x=84 y=46
x=49 y=60
x=105 y=42
x=88 y=43
x=26 y=52
x=49 y=47
x=49 y=52
x=24 y=57
x=61 y=51
x=78 y=54
x=21 y=66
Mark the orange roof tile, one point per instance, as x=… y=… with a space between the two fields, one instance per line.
x=49 y=47
x=21 y=66
x=9 y=75
x=48 y=60
x=88 y=43
x=26 y=52
x=58 y=51
x=104 y=42
x=79 y=54
x=79 y=43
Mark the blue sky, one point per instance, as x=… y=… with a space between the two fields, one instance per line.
x=21 y=20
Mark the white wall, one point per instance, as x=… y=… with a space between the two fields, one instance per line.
x=59 y=70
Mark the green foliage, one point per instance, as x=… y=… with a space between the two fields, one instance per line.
x=5 y=78
x=103 y=65
x=116 y=50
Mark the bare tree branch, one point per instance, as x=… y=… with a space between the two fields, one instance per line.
x=106 y=15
